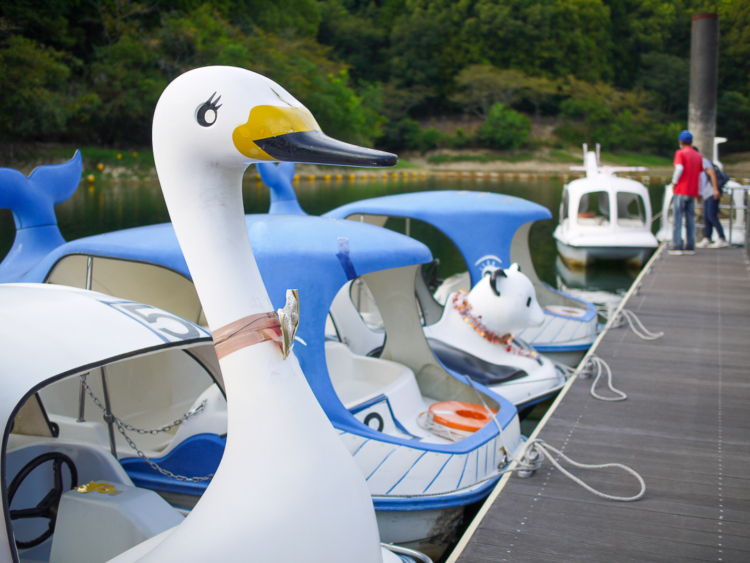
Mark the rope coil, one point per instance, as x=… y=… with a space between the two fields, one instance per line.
x=595 y=362
x=632 y=320
x=542 y=449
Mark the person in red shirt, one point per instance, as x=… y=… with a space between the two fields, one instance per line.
x=688 y=165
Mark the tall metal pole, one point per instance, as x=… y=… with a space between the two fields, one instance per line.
x=704 y=76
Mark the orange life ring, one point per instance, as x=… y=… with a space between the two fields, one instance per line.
x=466 y=417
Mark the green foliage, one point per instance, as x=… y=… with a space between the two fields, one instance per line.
x=36 y=102
x=504 y=128
x=733 y=121
x=599 y=113
x=668 y=77
x=616 y=71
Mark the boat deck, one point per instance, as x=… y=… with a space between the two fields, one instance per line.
x=684 y=428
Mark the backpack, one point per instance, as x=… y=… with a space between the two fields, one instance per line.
x=721 y=178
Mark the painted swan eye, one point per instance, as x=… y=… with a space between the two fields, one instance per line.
x=208 y=112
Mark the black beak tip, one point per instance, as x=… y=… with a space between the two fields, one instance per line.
x=388 y=160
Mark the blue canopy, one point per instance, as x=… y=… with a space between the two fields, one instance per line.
x=480 y=224
x=313 y=254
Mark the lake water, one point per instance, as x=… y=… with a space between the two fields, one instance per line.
x=113 y=206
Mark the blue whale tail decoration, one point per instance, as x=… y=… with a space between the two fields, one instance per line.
x=32 y=201
x=279 y=179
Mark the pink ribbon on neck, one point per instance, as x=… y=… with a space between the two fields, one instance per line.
x=247 y=331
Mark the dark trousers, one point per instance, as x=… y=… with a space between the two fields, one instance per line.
x=711 y=217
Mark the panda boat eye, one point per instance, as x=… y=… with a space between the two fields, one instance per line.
x=528 y=302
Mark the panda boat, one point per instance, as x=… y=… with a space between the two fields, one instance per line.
x=421 y=434
x=491 y=231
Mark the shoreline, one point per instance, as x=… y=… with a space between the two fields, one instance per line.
x=109 y=165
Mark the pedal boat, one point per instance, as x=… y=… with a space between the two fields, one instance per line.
x=604 y=217
x=200 y=168
x=420 y=481
x=54 y=336
x=490 y=230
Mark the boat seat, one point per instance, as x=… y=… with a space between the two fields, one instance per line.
x=101 y=520
x=479 y=370
x=357 y=379
x=590 y=221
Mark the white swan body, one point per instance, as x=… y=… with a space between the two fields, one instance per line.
x=311 y=487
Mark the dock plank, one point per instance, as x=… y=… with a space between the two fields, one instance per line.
x=684 y=428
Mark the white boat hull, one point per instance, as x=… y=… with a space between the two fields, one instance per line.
x=428 y=531
x=575 y=255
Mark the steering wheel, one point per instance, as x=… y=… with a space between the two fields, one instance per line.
x=47 y=507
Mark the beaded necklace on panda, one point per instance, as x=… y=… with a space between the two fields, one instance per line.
x=464 y=308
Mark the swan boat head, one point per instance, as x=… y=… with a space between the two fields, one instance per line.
x=284 y=468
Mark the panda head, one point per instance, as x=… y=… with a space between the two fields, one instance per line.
x=506 y=301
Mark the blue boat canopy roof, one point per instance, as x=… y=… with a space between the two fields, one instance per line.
x=480 y=224
x=319 y=250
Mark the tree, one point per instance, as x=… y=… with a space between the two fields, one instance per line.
x=483 y=86
x=504 y=128
x=36 y=101
x=667 y=76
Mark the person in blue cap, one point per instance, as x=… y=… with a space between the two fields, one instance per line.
x=688 y=165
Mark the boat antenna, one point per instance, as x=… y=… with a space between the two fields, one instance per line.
x=585 y=150
x=598 y=153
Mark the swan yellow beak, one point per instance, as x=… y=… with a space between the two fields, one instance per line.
x=291 y=134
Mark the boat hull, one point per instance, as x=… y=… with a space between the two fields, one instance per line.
x=581 y=256
x=428 y=531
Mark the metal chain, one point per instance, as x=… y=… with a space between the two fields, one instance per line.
x=121 y=426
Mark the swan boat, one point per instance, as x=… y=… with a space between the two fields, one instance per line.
x=66 y=497
x=732 y=203
x=373 y=403
x=604 y=217
x=201 y=156
x=418 y=479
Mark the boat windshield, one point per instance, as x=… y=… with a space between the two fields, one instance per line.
x=593 y=209
x=630 y=210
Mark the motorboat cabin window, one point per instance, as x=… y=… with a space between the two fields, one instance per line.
x=630 y=210
x=593 y=209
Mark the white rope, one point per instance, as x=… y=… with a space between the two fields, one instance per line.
x=630 y=316
x=541 y=448
x=633 y=320
x=597 y=363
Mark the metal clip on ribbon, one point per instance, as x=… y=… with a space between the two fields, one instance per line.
x=289 y=319
x=279 y=327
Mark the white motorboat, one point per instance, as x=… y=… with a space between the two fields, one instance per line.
x=604 y=217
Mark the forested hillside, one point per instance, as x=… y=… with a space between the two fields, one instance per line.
x=610 y=71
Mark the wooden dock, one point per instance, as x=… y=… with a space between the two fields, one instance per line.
x=685 y=428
